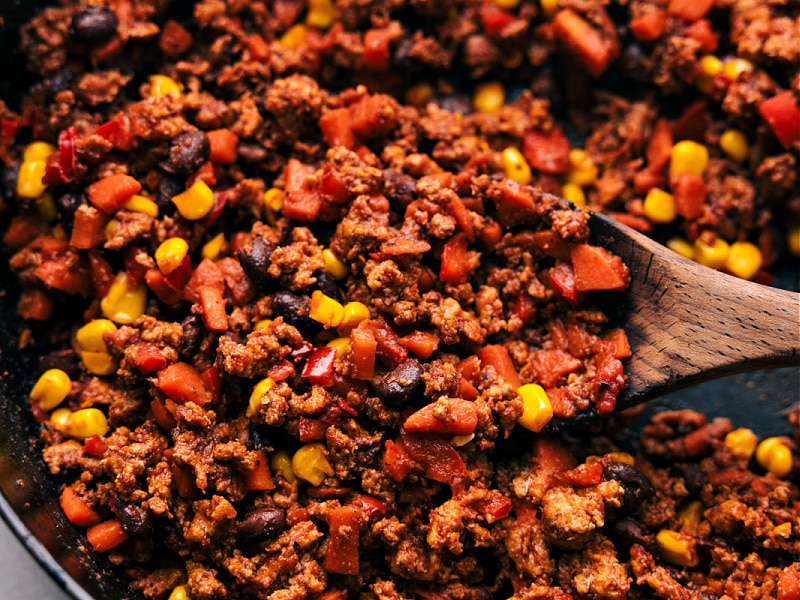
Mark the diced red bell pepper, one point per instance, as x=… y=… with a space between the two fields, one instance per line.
x=789 y=583
x=371 y=505
x=106 y=535
x=62 y=274
x=156 y=281
x=396 y=462
x=702 y=32
x=377 y=49
x=689 y=10
x=213 y=381
x=551 y=366
x=497 y=356
x=148 y=358
x=591 y=49
x=77 y=509
x=648 y=26
x=320 y=366
x=344 y=523
x=585 y=475
x=364 y=349
x=421 y=343
x=562 y=278
x=596 y=268
x=259 y=478
x=494 y=19
x=118 y=131
x=300 y=202
x=782 y=115
x=337 y=129
x=547 y=152
x=62 y=165
x=182 y=383
x=224 y=146
x=258 y=47
x=442 y=462
x=456 y=264
x=111 y=192
x=460 y=418
x=689 y=194
x=88 y=228
x=95 y=446
x=495 y=508
x=389 y=349
x=162 y=415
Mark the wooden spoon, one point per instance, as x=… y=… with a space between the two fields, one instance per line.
x=687 y=323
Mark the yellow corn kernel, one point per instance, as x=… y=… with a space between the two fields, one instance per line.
x=682 y=247
x=659 y=206
x=690 y=515
x=281 y=463
x=324 y=309
x=688 y=158
x=462 y=440
x=310 y=464
x=161 y=85
x=775 y=456
x=575 y=194
x=196 y=202
x=143 y=205
x=179 y=593
x=170 y=254
x=623 y=457
x=257 y=395
x=124 y=302
x=295 y=36
x=273 y=199
x=86 y=422
x=46 y=207
x=51 y=388
x=582 y=170
x=418 y=95
x=99 y=363
x=783 y=530
x=734 y=144
x=334 y=265
x=262 y=324
x=536 y=408
x=507 y=4
x=793 y=240
x=677 y=548
x=744 y=260
x=212 y=249
x=735 y=68
x=742 y=441
x=549 y=7
x=489 y=97
x=515 y=165
x=321 y=14
x=711 y=255
x=352 y=314
x=29 y=179
x=341 y=344
x=38 y=151
x=59 y=418
x=111 y=228
x=710 y=65
x=90 y=336
x=57 y=231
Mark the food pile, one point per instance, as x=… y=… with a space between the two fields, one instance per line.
x=316 y=276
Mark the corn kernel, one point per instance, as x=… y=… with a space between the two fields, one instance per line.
x=111 y=228
x=295 y=36
x=507 y=4
x=536 y=408
x=143 y=205
x=688 y=158
x=744 y=260
x=124 y=302
x=742 y=441
x=462 y=440
x=690 y=515
x=212 y=249
x=196 y=202
x=418 y=95
x=735 y=68
x=352 y=314
x=575 y=194
x=50 y=390
x=38 y=151
x=262 y=324
x=170 y=254
x=273 y=202
x=793 y=240
x=582 y=170
x=677 y=548
x=99 y=363
x=280 y=462
x=734 y=144
x=59 y=418
x=549 y=7
x=321 y=14
x=341 y=344
x=257 y=395
x=682 y=247
x=711 y=255
x=515 y=165
x=161 y=85
x=659 y=206
x=46 y=207
x=86 y=422
x=489 y=97
x=334 y=265
x=310 y=464
x=29 y=179
x=710 y=65
x=324 y=309
x=775 y=456
x=58 y=232
x=622 y=457
x=90 y=336
x=179 y=593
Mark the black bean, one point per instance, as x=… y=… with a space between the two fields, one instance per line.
x=294 y=309
x=135 y=520
x=188 y=152
x=260 y=525
x=629 y=532
x=399 y=186
x=169 y=186
x=93 y=24
x=255 y=258
x=66 y=360
x=259 y=437
x=326 y=284
x=191 y=334
x=637 y=486
x=694 y=478
x=67 y=205
x=401 y=384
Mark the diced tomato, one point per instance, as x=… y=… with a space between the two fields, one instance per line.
x=421 y=343
x=377 y=49
x=224 y=146
x=456 y=264
x=300 y=202
x=66 y=275
x=562 y=278
x=95 y=446
x=320 y=366
x=551 y=366
x=396 y=462
x=596 y=268
x=182 y=383
x=577 y=35
x=494 y=508
x=689 y=194
x=442 y=462
x=782 y=115
x=702 y=32
x=547 y=152
x=459 y=417
x=88 y=228
x=496 y=356
x=148 y=358
x=118 y=131
x=585 y=475
x=337 y=129
x=344 y=523
x=648 y=26
x=373 y=115
x=259 y=478
x=689 y=10
x=494 y=18
x=371 y=505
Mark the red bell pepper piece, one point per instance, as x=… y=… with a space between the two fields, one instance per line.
x=494 y=508
x=456 y=265
x=585 y=475
x=95 y=446
x=648 y=26
x=442 y=462
x=300 y=202
x=497 y=356
x=592 y=50
x=376 y=49
x=371 y=505
x=494 y=19
x=77 y=509
x=320 y=366
x=259 y=478
x=789 y=583
x=562 y=278
x=782 y=115
x=106 y=535
x=62 y=165
x=111 y=192
x=460 y=418
x=596 y=268
x=182 y=383
x=396 y=462
x=547 y=152
x=344 y=523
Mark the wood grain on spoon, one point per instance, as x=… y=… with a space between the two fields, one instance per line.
x=687 y=323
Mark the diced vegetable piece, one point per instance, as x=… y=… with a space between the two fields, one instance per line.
x=300 y=202
x=181 y=382
x=344 y=523
x=456 y=264
x=223 y=144
x=580 y=37
x=106 y=535
x=311 y=464
x=112 y=192
x=536 y=408
x=783 y=116
x=396 y=462
x=677 y=548
x=453 y=416
x=547 y=152
x=689 y=10
x=259 y=478
x=77 y=509
x=496 y=356
x=597 y=269
x=51 y=389
x=86 y=422
x=648 y=26
x=364 y=349
x=562 y=278
x=442 y=462
x=88 y=228
x=320 y=366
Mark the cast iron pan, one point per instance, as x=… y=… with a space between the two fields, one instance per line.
x=29 y=494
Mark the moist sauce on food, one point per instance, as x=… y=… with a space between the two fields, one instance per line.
x=316 y=275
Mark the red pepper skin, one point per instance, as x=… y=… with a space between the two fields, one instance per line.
x=562 y=278
x=319 y=368
x=455 y=261
x=547 y=152
x=442 y=462
x=782 y=115
x=585 y=475
x=95 y=446
x=62 y=165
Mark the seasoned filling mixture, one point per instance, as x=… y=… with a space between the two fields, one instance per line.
x=315 y=277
